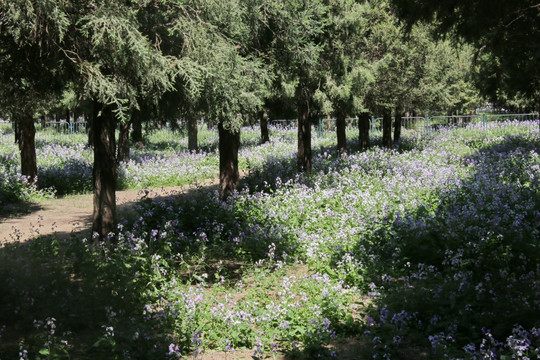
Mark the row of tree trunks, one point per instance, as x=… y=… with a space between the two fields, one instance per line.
x=25 y=135
x=229 y=143
x=304 y=133
x=105 y=172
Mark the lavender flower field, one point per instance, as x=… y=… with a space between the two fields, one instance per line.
x=427 y=251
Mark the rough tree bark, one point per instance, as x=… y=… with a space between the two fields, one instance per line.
x=192 y=133
x=104 y=174
x=123 y=142
x=304 y=138
x=229 y=142
x=397 y=126
x=265 y=135
x=363 y=130
x=387 y=129
x=341 y=133
x=25 y=137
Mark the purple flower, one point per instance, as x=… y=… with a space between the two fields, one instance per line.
x=173 y=349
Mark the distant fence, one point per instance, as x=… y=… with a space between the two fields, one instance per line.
x=433 y=123
x=283 y=123
x=62 y=127
x=52 y=129
x=425 y=124
x=323 y=124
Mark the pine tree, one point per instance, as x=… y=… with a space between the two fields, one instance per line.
x=31 y=68
x=505 y=34
x=233 y=82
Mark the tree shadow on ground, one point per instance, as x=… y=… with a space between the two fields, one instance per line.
x=18 y=208
x=43 y=299
x=482 y=220
x=53 y=290
x=344 y=348
x=42 y=280
x=467 y=265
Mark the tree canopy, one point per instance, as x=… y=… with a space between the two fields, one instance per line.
x=506 y=36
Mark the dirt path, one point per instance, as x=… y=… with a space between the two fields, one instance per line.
x=73 y=213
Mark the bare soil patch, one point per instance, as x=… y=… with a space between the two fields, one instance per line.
x=73 y=213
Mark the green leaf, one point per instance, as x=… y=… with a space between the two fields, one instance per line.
x=45 y=352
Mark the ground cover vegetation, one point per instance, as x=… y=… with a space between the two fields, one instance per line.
x=429 y=250
x=433 y=237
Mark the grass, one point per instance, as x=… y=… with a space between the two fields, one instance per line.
x=429 y=250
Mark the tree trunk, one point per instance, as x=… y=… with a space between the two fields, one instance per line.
x=265 y=135
x=397 y=126
x=25 y=137
x=387 y=129
x=104 y=174
x=136 y=131
x=328 y=122
x=192 y=134
x=68 y=116
x=123 y=142
x=341 y=133
x=363 y=130
x=304 y=139
x=90 y=128
x=229 y=143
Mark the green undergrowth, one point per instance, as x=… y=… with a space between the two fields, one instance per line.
x=428 y=250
